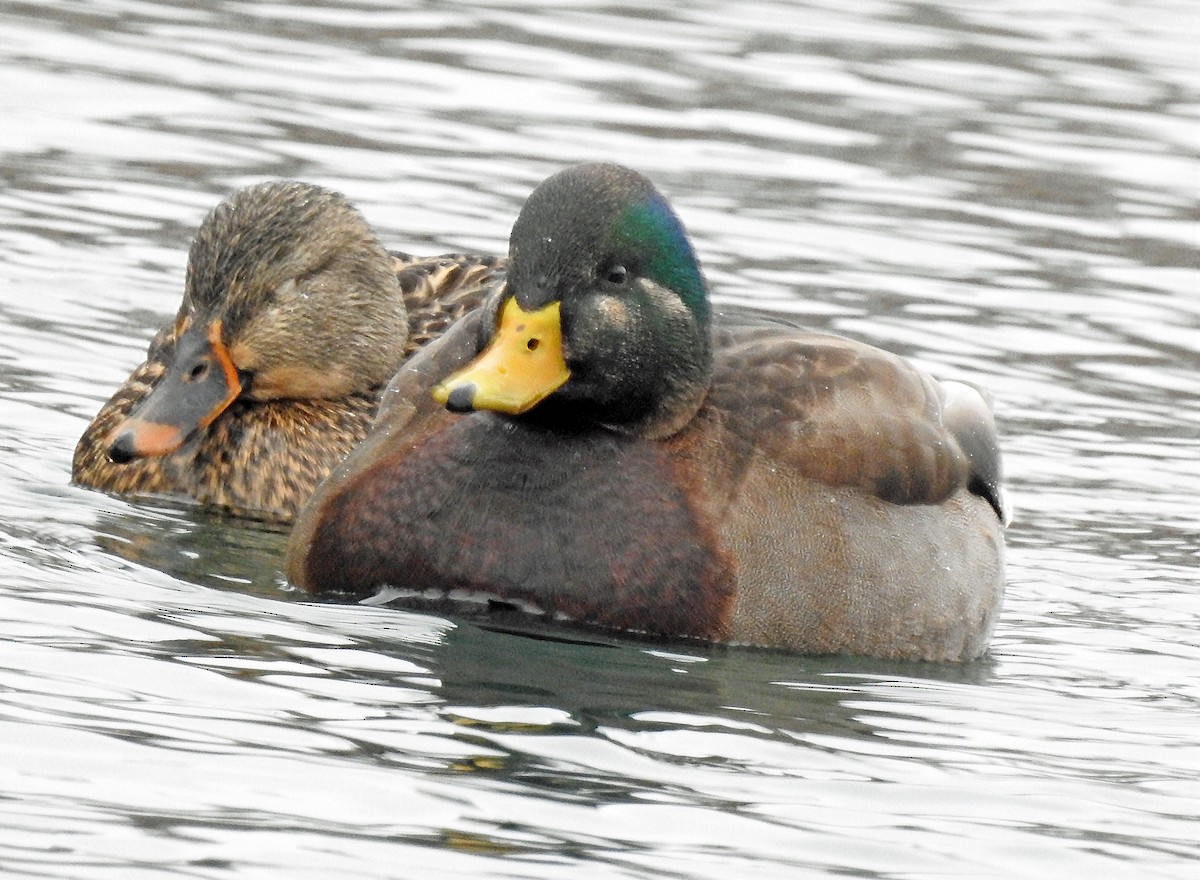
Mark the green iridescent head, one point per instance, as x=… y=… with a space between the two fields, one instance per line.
x=602 y=242
x=581 y=224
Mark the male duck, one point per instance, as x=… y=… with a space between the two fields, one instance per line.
x=293 y=320
x=624 y=463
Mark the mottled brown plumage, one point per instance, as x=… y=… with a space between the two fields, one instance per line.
x=751 y=482
x=315 y=316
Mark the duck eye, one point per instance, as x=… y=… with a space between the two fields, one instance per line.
x=617 y=275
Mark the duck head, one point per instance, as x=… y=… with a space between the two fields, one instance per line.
x=604 y=318
x=288 y=295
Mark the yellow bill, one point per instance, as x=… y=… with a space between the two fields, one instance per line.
x=521 y=366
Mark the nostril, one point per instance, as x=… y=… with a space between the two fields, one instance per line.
x=198 y=371
x=122 y=450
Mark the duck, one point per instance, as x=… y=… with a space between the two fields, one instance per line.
x=597 y=446
x=293 y=320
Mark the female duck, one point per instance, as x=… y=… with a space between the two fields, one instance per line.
x=293 y=320
x=620 y=462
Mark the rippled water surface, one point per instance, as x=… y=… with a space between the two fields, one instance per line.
x=1002 y=192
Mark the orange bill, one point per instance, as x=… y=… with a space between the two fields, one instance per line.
x=200 y=384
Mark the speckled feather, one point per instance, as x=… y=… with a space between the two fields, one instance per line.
x=262 y=459
x=440 y=290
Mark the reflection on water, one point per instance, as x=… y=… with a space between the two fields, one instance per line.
x=1003 y=192
x=197 y=546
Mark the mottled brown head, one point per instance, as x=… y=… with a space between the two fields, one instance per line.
x=288 y=295
x=307 y=298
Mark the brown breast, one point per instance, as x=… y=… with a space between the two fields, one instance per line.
x=591 y=526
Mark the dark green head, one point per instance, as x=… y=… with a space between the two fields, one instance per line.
x=582 y=224
x=602 y=242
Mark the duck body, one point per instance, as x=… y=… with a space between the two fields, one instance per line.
x=819 y=495
x=293 y=320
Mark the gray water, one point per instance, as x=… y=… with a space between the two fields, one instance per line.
x=1005 y=193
